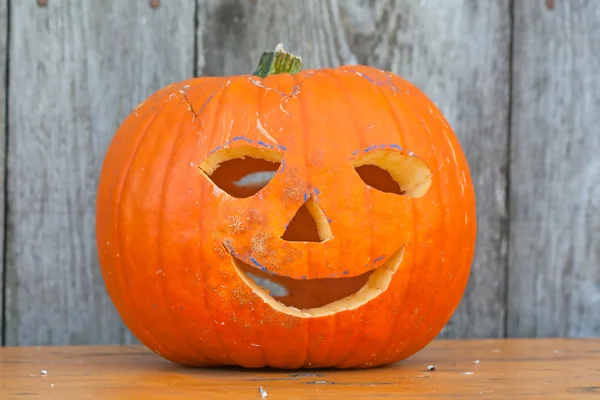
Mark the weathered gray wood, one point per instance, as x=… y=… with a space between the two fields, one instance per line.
x=77 y=68
x=3 y=89
x=554 y=269
x=457 y=51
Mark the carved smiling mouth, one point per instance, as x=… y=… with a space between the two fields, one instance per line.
x=309 y=298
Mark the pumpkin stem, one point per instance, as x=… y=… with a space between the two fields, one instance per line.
x=278 y=61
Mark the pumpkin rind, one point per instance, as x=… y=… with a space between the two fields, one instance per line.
x=166 y=234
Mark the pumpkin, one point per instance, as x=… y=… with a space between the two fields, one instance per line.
x=287 y=218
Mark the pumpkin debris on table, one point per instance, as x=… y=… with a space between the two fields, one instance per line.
x=345 y=187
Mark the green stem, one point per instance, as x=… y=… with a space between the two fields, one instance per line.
x=278 y=61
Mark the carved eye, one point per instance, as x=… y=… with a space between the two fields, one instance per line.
x=394 y=172
x=241 y=171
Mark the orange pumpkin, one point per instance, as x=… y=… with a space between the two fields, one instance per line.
x=359 y=216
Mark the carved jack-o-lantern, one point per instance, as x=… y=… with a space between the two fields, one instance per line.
x=291 y=219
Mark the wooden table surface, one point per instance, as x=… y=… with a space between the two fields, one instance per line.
x=499 y=369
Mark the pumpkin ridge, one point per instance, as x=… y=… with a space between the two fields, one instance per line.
x=149 y=337
x=213 y=136
x=442 y=226
x=305 y=131
x=442 y=197
x=345 y=101
x=313 y=326
x=160 y=232
x=413 y=242
x=369 y=201
x=201 y=210
x=118 y=221
x=362 y=144
x=403 y=134
x=261 y=95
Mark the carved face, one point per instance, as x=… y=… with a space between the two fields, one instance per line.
x=321 y=219
x=305 y=225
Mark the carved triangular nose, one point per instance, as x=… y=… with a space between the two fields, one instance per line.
x=308 y=225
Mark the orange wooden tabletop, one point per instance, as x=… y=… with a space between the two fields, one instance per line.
x=499 y=369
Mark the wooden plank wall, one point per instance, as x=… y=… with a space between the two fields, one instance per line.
x=517 y=81
x=554 y=269
x=76 y=69
x=3 y=132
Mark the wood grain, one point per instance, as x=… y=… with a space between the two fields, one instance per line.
x=77 y=68
x=554 y=285
x=487 y=369
x=3 y=91
x=457 y=51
